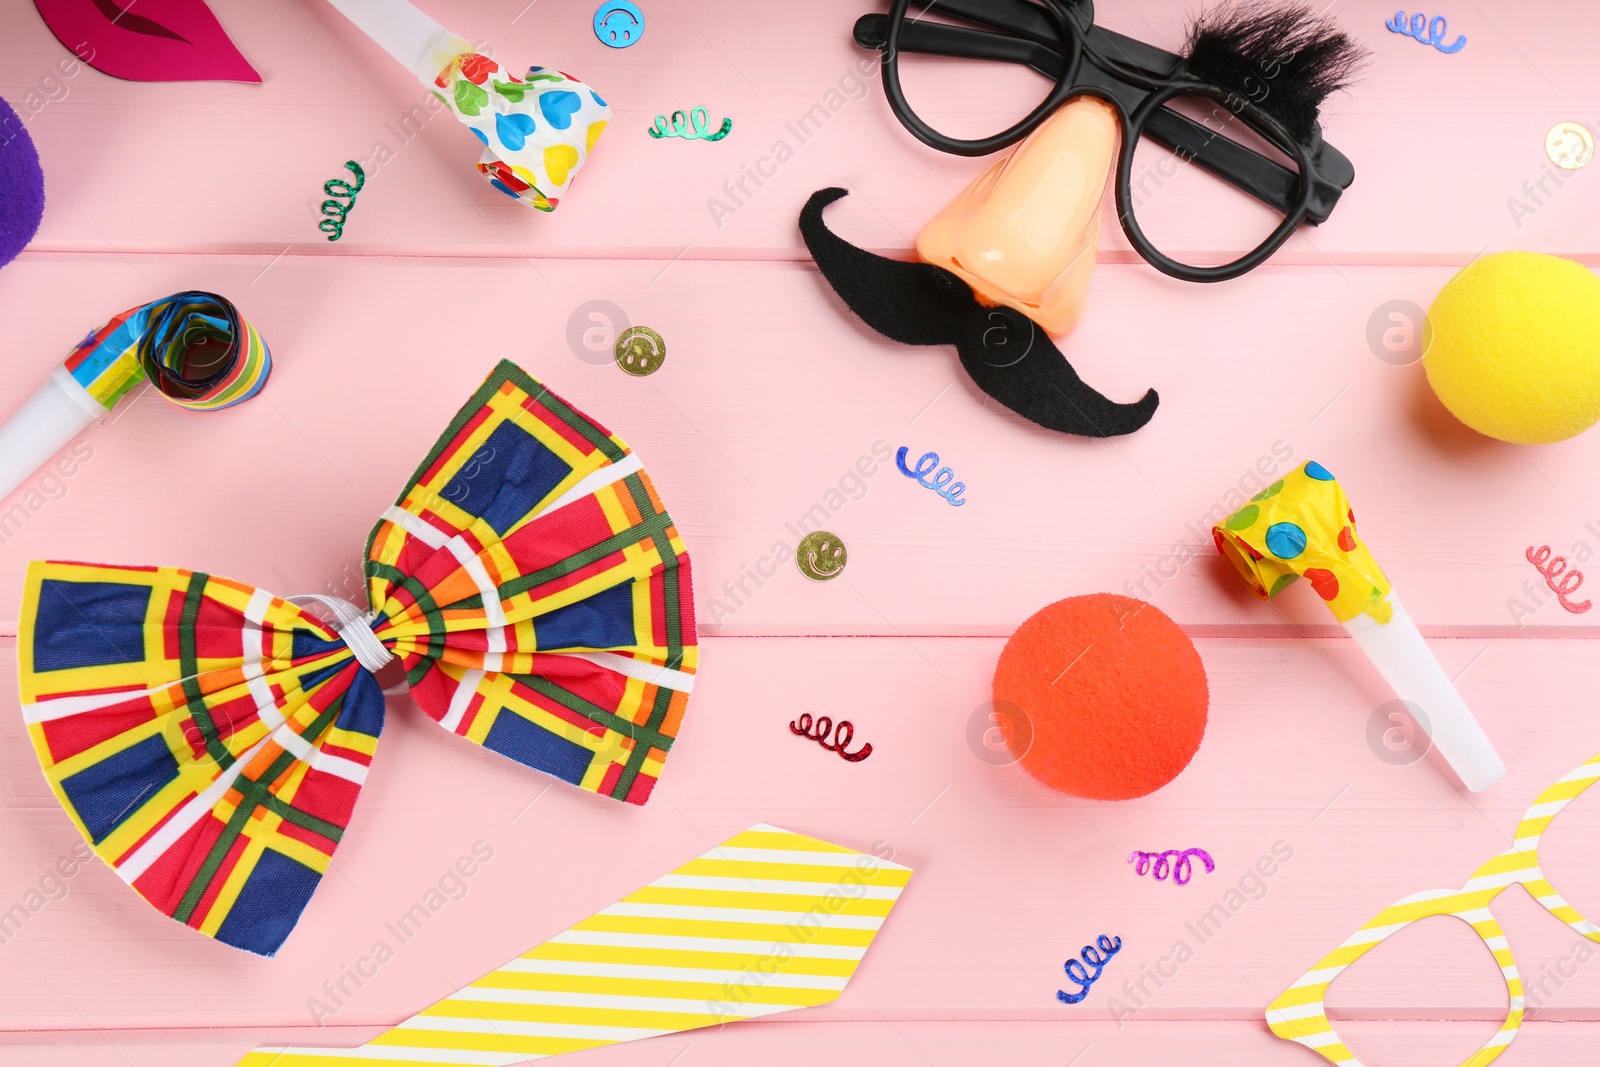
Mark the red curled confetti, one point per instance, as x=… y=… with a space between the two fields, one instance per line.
x=842 y=736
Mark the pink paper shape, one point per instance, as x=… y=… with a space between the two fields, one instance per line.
x=147 y=40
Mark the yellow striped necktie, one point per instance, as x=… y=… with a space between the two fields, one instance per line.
x=766 y=922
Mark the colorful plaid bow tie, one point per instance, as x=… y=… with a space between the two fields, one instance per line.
x=209 y=739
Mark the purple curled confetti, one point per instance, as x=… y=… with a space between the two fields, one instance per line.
x=1179 y=868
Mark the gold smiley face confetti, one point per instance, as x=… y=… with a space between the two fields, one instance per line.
x=821 y=556
x=640 y=351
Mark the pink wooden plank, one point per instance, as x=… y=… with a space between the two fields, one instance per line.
x=1443 y=146
x=771 y=396
x=1312 y=832
x=121 y=156
x=890 y=1042
x=895 y=1043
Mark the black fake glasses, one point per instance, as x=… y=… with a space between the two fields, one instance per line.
x=1270 y=146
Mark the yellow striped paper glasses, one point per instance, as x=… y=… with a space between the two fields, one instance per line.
x=1299 y=1013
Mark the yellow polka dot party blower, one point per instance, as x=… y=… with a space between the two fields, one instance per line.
x=537 y=130
x=194 y=347
x=1303 y=527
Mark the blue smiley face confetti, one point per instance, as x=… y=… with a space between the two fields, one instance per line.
x=1108 y=947
x=618 y=23
x=1427 y=32
x=344 y=195
x=940 y=481
x=681 y=122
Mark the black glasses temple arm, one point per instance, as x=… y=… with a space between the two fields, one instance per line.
x=1147 y=58
x=1029 y=20
x=1017 y=16
x=939 y=39
x=1244 y=168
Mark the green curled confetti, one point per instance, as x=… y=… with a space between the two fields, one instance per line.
x=333 y=226
x=681 y=126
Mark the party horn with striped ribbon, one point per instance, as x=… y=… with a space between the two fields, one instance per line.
x=196 y=347
x=766 y=922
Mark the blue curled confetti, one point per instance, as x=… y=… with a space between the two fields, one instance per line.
x=1180 y=868
x=1109 y=947
x=942 y=479
x=682 y=121
x=1427 y=32
x=333 y=226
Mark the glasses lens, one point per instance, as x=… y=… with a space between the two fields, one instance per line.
x=1187 y=212
x=1567 y=857
x=1386 y=1007
x=964 y=98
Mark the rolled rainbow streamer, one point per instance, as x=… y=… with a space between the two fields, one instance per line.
x=195 y=347
x=1302 y=526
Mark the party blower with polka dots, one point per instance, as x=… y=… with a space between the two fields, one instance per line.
x=1301 y=526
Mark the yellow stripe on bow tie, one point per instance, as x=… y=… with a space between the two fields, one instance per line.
x=766 y=922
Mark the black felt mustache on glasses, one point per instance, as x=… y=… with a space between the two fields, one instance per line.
x=1002 y=350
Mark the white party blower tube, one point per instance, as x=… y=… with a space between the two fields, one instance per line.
x=56 y=413
x=420 y=44
x=1397 y=650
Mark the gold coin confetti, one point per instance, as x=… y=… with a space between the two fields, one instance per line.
x=821 y=556
x=640 y=351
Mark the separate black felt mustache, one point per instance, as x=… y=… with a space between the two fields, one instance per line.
x=1004 y=352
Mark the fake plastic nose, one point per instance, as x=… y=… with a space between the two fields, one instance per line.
x=1024 y=234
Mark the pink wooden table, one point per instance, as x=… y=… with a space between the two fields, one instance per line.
x=769 y=397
